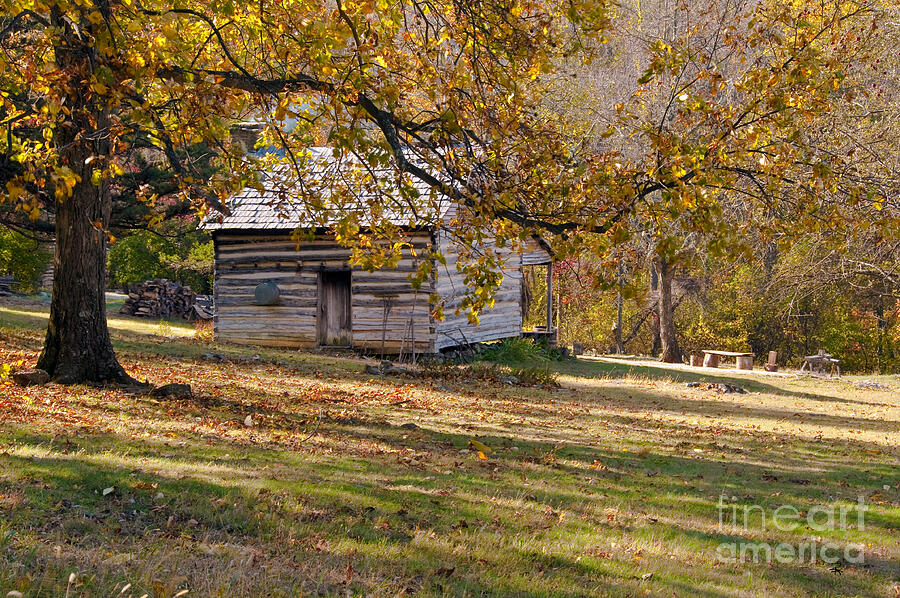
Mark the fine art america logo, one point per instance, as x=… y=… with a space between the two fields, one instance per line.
x=754 y=518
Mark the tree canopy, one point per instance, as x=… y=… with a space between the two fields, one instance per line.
x=728 y=111
x=752 y=122
x=443 y=91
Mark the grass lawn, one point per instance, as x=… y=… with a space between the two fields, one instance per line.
x=342 y=484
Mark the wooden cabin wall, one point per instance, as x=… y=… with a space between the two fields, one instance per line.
x=243 y=260
x=503 y=320
x=533 y=254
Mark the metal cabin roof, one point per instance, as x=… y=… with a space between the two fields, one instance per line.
x=330 y=188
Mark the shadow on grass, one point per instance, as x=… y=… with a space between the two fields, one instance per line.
x=309 y=516
x=361 y=503
x=380 y=517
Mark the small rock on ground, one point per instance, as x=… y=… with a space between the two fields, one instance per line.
x=31 y=377
x=871 y=385
x=387 y=367
x=717 y=386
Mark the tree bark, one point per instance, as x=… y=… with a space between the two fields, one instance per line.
x=78 y=347
x=620 y=346
x=670 y=352
x=654 y=299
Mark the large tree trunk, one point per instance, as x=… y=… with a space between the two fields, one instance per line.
x=78 y=347
x=670 y=352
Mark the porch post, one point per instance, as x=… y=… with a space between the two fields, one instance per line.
x=550 y=301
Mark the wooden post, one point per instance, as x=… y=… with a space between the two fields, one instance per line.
x=554 y=332
x=388 y=301
x=550 y=299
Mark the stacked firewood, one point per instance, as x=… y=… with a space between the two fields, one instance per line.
x=161 y=298
x=6 y=285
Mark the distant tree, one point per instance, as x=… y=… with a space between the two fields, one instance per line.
x=22 y=257
x=726 y=110
x=186 y=257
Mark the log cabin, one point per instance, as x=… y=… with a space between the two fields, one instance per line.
x=272 y=289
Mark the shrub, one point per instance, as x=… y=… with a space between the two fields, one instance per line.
x=515 y=351
x=145 y=255
x=194 y=269
x=136 y=258
x=481 y=370
x=23 y=258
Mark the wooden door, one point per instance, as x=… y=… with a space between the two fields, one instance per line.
x=333 y=320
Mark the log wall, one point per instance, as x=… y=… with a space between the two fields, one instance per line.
x=503 y=320
x=243 y=260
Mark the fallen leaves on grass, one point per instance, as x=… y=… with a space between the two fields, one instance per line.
x=479 y=446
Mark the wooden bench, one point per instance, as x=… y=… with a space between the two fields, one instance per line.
x=743 y=361
x=815 y=364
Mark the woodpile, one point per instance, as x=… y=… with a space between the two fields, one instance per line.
x=6 y=285
x=161 y=298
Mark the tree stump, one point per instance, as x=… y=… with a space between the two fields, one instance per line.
x=710 y=360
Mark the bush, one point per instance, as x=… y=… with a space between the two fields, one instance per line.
x=23 y=258
x=135 y=258
x=145 y=255
x=481 y=370
x=515 y=351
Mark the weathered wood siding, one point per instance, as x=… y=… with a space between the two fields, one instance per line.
x=244 y=260
x=535 y=254
x=503 y=320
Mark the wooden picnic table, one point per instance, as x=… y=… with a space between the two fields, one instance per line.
x=743 y=361
x=817 y=363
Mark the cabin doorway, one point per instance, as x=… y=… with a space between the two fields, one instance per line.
x=333 y=321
